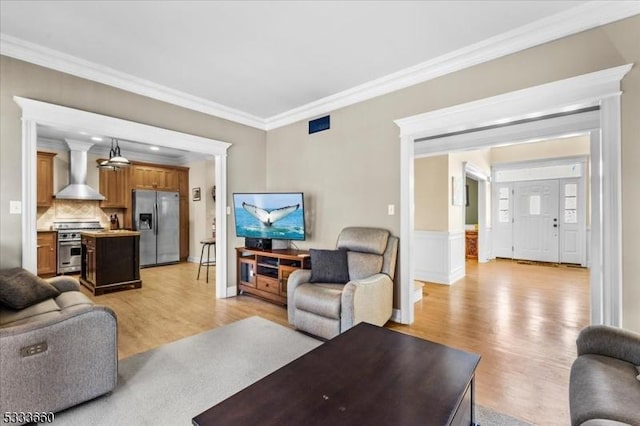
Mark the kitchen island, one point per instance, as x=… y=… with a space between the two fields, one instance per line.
x=110 y=260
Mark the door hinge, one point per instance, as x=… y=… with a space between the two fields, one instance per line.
x=513 y=248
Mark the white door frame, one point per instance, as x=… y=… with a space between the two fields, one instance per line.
x=36 y=113
x=599 y=89
x=476 y=172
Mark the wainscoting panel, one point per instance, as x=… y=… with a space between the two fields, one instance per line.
x=439 y=256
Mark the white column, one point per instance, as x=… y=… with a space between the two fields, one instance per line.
x=221 y=226
x=612 y=210
x=406 y=229
x=595 y=269
x=29 y=196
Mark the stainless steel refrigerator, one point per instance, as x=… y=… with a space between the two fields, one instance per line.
x=156 y=215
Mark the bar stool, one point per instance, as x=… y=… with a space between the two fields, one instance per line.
x=207 y=242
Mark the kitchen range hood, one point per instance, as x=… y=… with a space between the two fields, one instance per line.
x=78 y=188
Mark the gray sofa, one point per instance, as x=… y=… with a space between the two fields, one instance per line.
x=604 y=388
x=56 y=353
x=328 y=308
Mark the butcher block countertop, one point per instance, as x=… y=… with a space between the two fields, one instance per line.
x=110 y=234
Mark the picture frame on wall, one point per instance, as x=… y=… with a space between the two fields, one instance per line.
x=195 y=194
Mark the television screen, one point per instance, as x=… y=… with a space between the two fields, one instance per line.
x=274 y=215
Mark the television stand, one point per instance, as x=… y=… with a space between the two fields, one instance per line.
x=265 y=273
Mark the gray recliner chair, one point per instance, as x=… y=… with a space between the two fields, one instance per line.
x=326 y=309
x=604 y=388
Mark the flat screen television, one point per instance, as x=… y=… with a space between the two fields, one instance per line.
x=270 y=215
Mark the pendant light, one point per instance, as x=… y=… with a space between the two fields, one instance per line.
x=116 y=160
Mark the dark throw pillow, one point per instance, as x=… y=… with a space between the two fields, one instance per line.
x=20 y=289
x=329 y=266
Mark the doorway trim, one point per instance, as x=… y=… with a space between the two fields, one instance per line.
x=601 y=89
x=469 y=169
x=36 y=113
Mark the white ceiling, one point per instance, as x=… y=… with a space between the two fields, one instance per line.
x=262 y=59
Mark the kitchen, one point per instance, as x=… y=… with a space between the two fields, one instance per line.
x=74 y=195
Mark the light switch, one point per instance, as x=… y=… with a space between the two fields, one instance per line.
x=15 y=207
x=228 y=210
x=391 y=209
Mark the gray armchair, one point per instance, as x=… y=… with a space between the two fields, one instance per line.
x=56 y=353
x=326 y=309
x=604 y=389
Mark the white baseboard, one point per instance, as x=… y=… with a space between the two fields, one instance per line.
x=232 y=291
x=395 y=316
x=417 y=292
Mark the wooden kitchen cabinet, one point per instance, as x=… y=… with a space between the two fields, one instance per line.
x=115 y=186
x=45 y=179
x=47 y=253
x=154 y=177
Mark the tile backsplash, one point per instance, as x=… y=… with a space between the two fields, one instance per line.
x=75 y=210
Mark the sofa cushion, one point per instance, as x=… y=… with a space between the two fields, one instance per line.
x=329 y=266
x=322 y=299
x=363 y=265
x=9 y=316
x=604 y=388
x=19 y=288
x=72 y=298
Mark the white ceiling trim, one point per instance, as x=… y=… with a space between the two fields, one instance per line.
x=574 y=20
x=583 y=17
x=59 y=61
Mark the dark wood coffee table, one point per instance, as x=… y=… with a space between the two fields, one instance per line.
x=368 y=375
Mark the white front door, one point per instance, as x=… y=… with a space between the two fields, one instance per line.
x=535 y=221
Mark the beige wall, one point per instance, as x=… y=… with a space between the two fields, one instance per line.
x=201 y=213
x=351 y=172
x=431 y=195
x=246 y=165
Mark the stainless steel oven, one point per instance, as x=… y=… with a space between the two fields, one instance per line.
x=70 y=246
x=69 y=256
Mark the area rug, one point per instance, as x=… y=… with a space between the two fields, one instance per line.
x=172 y=384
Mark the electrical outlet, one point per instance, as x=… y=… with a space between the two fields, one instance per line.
x=391 y=209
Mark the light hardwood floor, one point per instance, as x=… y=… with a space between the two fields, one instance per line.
x=522 y=319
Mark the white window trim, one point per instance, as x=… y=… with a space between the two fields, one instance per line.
x=601 y=89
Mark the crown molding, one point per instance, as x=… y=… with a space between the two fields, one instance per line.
x=586 y=16
x=59 y=61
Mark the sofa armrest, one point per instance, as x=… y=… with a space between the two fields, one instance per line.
x=368 y=299
x=64 y=283
x=297 y=277
x=610 y=341
x=81 y=348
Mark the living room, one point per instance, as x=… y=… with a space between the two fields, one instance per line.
x=353 y=171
